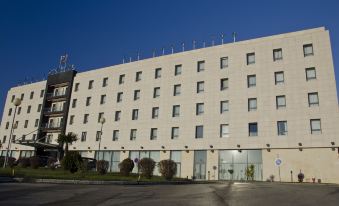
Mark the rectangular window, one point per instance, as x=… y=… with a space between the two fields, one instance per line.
x=31 y=95
x=313 y=99
x=176 y=111
x=138 y=76
x=199 y=131
x=98 y=136
x=175 y=133
x=156 y=92
x=251 y=81
x=200 y=86
x=201 y=66
x=85 y=118
x=253 y=129
x=90 y=84
x=155 y=112
x=26 y=124
x=83 y=136
x=19 y=110
x=88 y=101
x=224 y=84
x=315 y=126
x=10 y=112
x=74 y=103
x=279 y=78
x=103 y=99
x=135 y=113
x=100 y=116
x=22 y=97
x=117 y=116
x=133 y=134
x=157 y=73
x=34 y=137
x=223 y=62
x=29 y=109
x=115 y=135
x=154 y=133
x=39 y=108
x=136 y=95
x=13 y=97
x=177 y=69
x=7 y=125
x=282 y=128
x=310 y=74
x=224 y=106
x=121 y=79
x=281 y=101
x=224 y=130
x=42 y=92
x=252 y=104
x=71 y=119
x=119 y=97
x=308 y=50
x=76 y=87
x=250 y=57
x=4 y=139
x=105 y=82
x=277 y=54
x=199 y=109
x=177 y=90
x=36 y=124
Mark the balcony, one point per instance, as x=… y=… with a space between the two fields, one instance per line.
x=52 y=126
x=54 y=110
x=57 y=95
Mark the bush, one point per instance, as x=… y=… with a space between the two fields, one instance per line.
x=146 y=166
x=72 y=161
x=51 y=162
x=10 y=161
x=102 y=166
x=34 y=162
x=301 y=177
x=167 y=168
x=24 y=162
x=126 y=166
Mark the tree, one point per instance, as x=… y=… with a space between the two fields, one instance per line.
x=167 y=168
x=250 y=172
x=146 y=166
x=67 y=139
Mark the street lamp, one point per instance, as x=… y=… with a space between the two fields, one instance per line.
x=16 y=103
x=102 y=122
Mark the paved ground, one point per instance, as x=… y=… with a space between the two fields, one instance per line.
x=201 y=194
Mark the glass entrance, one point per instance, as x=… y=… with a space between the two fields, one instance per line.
x=199 y=171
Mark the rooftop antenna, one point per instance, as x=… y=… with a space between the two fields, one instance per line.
x=154 y=50
x=183 y=46
x=63 y=62
x=222 y=38
x=204 y=44
x=234 y=34
x=163 y=51
x=123 y=60
x=212 y=40
x=138 y=56
x=172 y=48
x=130 y=59
x=193 y=44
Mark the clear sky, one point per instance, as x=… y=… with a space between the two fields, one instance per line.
x=33 y=34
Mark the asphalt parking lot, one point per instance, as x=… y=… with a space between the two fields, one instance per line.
x=197 y=194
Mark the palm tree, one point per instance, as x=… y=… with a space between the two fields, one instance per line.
x=67 y=139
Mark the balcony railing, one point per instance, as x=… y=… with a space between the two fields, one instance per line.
x=54 y=109
x=53 y=126
x=57 y=94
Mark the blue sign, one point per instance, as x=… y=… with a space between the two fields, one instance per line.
x=278 y=161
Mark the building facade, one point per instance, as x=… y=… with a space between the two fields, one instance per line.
x=215 y=111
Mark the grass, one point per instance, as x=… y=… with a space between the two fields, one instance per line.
x=46 y=173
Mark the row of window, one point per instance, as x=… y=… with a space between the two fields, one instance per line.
x=29 y=108
x=31 y=95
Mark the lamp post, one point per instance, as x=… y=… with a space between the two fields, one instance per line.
x=102 y=122
x=16 y=103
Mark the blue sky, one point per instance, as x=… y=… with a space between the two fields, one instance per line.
x=33 y=34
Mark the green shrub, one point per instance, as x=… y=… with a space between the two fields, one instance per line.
x=51 y=162
x=24 y=162
x=126 y=166
x=72 y=161
x=102 y=166
x=167 y=168
x=146 y=166
x=34 y=162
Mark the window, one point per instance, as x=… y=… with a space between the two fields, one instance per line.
x=105 y=82
x=138 y=76
x=176 y=111
x=121 y=79
x=251 y=81
x=88 y=101
x=76 y=87
x=90 y=84
x=19 y=110
x=10 y=112
x=224 y=84
x=250 y=58
x=199 y=109
x=115 y=135
x=29 y=109
x=74 y=103
x=13 y=97
x=83 y=136
x=308 y=50
x=98 y=136
x=315 y=126
x=279 y=78
x=135 y=114
x=313 y=99
x=200 y=86
x=224 y=106
x=310 y=74
x=103 y=99
x=156 y=92
x=26 y=124
x=177 y=70
x=136 y=95
x=155 y=112
x=157 y=73
x=42 y=92
x=282 y=128
x=252 y=104
x=36 y=124
x=71 y=119
x=16 y=125
x=177 y=90
x=223 y=62
x=4 y=139
x=22 y=97
x=39 y=108
x=199 y=131
x=117 y=116
x=34 y=137
x=201 y=66
x=175 y=133
x=31 y=95
x=253 y=129
x=277 y=54
x=119 y=97
x=224 y=130
x=133 y=134
x=281 y=101
x=154 y=133
x=100 y=116
x=7 y=125
x=86 y=118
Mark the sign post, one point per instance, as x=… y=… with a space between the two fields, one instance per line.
x=278 y=162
